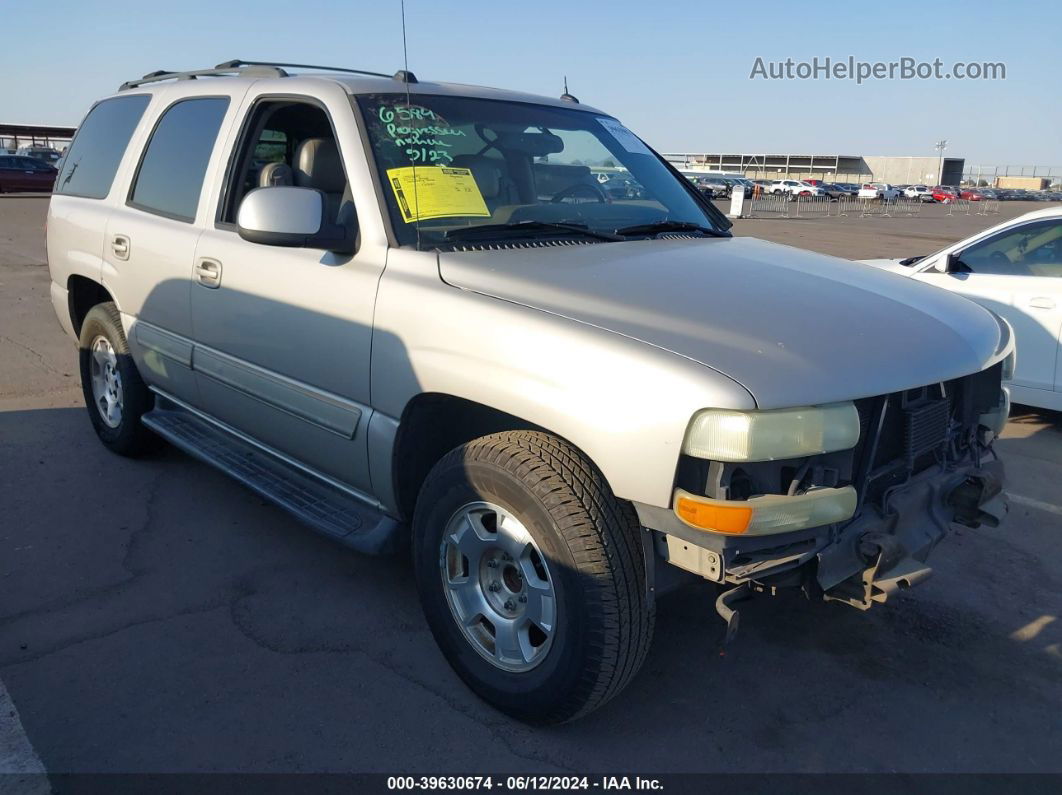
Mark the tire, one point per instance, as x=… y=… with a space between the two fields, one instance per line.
x=102 y=342
x=588 y=541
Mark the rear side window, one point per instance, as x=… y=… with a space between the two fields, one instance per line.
x=170 y=177
x=97 y=148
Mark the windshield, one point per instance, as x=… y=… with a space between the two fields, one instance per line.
x=450 y=164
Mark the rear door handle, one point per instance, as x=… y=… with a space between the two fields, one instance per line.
x=120 y=246
x=208 y=272
x=1041 y=302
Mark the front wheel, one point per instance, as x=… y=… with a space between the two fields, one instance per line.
x=532 y=576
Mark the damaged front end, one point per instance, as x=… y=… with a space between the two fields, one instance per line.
x=892 y=548
x=924 y=460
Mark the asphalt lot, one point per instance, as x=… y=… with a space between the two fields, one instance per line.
x=156 y=616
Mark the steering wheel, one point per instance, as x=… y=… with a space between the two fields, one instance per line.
x=592 y=188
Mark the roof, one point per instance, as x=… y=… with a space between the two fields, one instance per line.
x=354 y=81
x=375 y=85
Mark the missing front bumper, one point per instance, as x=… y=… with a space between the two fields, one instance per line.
x=894 y=549
x=861 y=563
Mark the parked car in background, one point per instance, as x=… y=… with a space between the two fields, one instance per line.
x=746 y=183
x=43 y=153
x=718 y=186
x=920 y=192
x=834 y=191
x=971 y=194
x=944 y=194
x=1014 y=269
x=699 y=180
x=621 y=186
x=795 y=187
x=19 y=173
x=878 y=190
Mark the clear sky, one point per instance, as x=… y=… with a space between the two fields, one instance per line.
x=676 y=72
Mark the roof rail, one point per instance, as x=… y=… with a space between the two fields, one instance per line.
x=240 y=68
x=222 y=70
x=400 y=75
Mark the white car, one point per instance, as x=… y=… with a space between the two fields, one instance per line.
x=1014 y=269
x=919 y=192
x=878 y=190
x=795 y=187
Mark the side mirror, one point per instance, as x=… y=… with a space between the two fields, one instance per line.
x=281 y=215
x=954 y=263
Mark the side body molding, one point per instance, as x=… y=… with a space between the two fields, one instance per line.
x=310 y=404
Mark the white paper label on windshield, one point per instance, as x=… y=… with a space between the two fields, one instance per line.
x=627 y=139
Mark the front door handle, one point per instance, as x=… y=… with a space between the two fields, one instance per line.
x=208 y=272
x=120 y=246
x=1041 y=302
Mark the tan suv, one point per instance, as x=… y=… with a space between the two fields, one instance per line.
x=408 y=312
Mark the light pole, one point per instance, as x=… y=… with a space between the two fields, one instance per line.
x=940 y=146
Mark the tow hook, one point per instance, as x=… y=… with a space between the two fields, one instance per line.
x=729 y=614
x=979 y=499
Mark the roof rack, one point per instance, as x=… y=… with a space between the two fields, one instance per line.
x=221 y=70
x=241 y=68
x=401 y=75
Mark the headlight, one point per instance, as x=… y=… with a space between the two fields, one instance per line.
x=996 y=420
x=726 y=435
x=1008 y=366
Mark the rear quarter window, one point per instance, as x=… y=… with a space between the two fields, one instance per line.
x=94 y=154
x=170 y=177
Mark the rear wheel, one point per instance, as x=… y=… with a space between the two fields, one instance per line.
x=532 y=576
x=115 y=394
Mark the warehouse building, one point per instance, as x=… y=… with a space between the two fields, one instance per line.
x=830 y=168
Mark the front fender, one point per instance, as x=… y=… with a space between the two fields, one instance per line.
x=623 y=402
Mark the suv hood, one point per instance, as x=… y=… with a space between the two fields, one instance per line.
x=793 y=327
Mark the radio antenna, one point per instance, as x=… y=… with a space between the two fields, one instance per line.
x=405 y=51
x=566 y=96
x=409 y=104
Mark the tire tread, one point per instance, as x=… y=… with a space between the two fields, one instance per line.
x=603 y=535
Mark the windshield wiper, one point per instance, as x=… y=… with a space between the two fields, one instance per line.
x=526 y=229
x=660 y=227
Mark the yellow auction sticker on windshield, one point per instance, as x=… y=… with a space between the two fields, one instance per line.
x=436 y=192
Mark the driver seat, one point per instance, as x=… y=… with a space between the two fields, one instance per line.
x=318 y=166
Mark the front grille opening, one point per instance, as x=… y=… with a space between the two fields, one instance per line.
x=920 y=428
x=741 y=486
